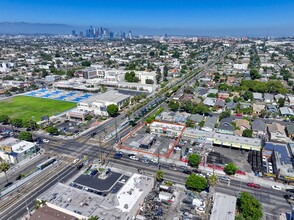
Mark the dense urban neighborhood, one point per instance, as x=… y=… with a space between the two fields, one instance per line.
x=117 y=126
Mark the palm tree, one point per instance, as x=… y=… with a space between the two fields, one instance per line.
x=4 y=167
x=213 y=180
x=94 y=217
x=159 y=175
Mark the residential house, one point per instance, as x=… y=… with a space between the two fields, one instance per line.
x=241 y=125
x=213 y=91
x=220 y=103
x=290 y=131
x=271 y=108
x=290 y=99
x=285 y=111
x=209 y=102
x=259 y=127
x=203 y=91
x=196 y=118
x=277 y=132
x=223 y=95
x=268 y=98
x=225 y=126
x=257 y=96
x=279 y=96
x=209 y=124
x=258 y=107
x=231 y=105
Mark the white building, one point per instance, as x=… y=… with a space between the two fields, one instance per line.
x=242 y=66
x=100 y=102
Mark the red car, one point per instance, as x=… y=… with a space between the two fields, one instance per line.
x=257 y=186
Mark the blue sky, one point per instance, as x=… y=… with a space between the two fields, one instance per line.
x=214 y=16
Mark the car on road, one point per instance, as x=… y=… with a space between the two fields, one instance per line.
x=172 y=166
x=277 y=187
x=145 y=161
x=290 y=190
x=8 y=184
x=45 y=140
x=257 y=186
x=153 y=160
x=187 y=172
x=225 y=178
x=76 y=160
x=209 y=174
x=117 y=156
x=129 y=155
x=134 y=158
x=289 y=197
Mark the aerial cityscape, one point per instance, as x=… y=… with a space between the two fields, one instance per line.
x=146 y=110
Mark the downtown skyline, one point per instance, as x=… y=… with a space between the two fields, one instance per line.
x=226 y=18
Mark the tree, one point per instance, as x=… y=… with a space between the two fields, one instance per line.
x=227 y=100
x=112 y=110
x=201 y=123
x=86 y=63
x=194 y=160
x=159 y=175
x=248 y=95
x=225 y=114
x=195 y=182
x=190 y=123
x=26 y=136
x=52 y=130
x=165 y=72
x=173 y=105
x=247 y=133
x=254 y=74
x=94 y=217
x=213 y=180
x=4 y=167
x=149 y=81
x=230 y=169
x=249 y=207
x=131 y=77
x=4 y=119
x=17 y=122
x=158 y=76
x=281 y=102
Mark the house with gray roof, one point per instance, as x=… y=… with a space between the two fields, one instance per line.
x=271 y=108
x=259 y=127
x=209 y=123
x=231 y=105
x=290 y=131
x=225 y=126
x=209 y=101
x=257 y=96
x=268 y=98
x=196 y=118
x=285 y=111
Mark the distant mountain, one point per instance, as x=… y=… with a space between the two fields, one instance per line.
x=34 y=28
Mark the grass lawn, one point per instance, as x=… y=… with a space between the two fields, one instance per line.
x=25 y=107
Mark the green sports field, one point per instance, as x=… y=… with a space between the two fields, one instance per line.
x=27 y=107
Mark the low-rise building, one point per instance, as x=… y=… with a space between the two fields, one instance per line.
x=168 y=129
x=79 y=114
x=224 y=207
x=209 y=124
x=277 y=132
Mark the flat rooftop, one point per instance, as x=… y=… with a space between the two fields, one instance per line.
x=224 y=207
x=22 y=146
x=97 y=183
x=48 y=213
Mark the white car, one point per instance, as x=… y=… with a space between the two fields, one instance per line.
x=209 y=174
x=224 y=178
x=75 y=161
x=134 y=158
x=153 y=160
x=45 y=140
x=277 y=187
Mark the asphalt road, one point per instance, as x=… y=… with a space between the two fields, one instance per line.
x=19 y=208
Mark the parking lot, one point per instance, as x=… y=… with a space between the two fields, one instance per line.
x=160 y=146
x=235 y=156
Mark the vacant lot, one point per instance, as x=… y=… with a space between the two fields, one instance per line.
x=27 y=107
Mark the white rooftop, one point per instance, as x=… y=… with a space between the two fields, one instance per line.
x=22 y=146
x=224 y=207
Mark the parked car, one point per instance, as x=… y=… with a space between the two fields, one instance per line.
x=187 y=172
x=45 y=140
x=289 y=197
x=277 y=187
x=134 y=158
x=290 y=190
x=224 y=178
x=257 y=186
